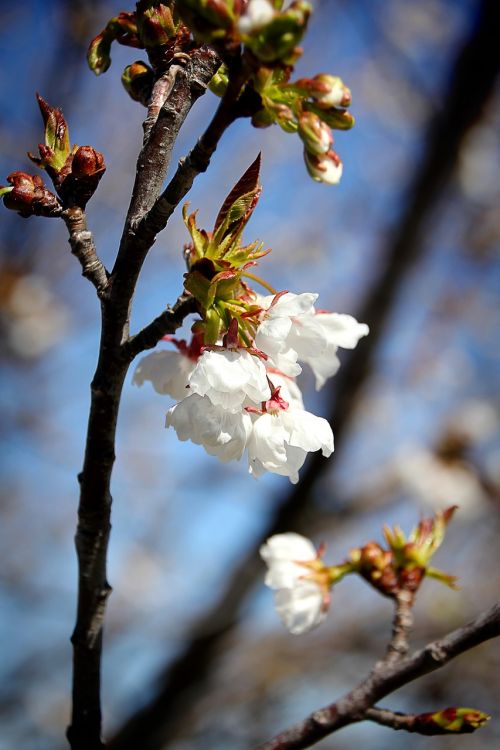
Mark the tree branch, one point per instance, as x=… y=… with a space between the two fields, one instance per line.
x=384 y=679
x=168 y=322
x=84 y=249
x=403 y=620
x=94 y=509
x=195 y=162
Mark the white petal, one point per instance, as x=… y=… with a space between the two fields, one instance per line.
x=229 y=377
x=289 y=546
x=341 y=330
x=223 y=434
x=168 y=372
x=300 y=608
x=307 y=431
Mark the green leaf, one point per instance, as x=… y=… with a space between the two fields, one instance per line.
x=246 y=185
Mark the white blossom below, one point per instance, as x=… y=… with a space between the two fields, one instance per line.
x=300 y=601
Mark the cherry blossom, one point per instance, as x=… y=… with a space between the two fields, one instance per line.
x=316 y=337
x=282 y=438
x=168 y=371
x=222 y=433
x=299 y=579
x=230 y=377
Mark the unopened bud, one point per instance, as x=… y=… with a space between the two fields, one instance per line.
x=138 y=80
x=87 y=162
x=329 y=91
x=325 y=168
x=219 y=82
x=123 y=29
x=208 y=19
x=451 y=721
x=29 y=196
x=375 y=565
x=155 y=23
x=316 y=135
x=87 y=168
x=277 y=40
x=258 y=13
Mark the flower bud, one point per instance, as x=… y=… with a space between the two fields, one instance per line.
x=375 y=565
x=155 y=23
x=137 y=80
x=325 y=168
x=219 y=81
x=87 y=168
x=451 y=721
x=258 y=13
x=329 y=91
x=29 y=196
x=87 y=162
x=316 y=135
x=209 y=20
x=123 y=29
x=277 y=40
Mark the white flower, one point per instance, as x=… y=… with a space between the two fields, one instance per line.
x=280 y=441
x=229 y=378
x=168 y=371
x=301 y=602
x=258 y=13
x=272 y=333
x=316 y=337
x=222 y=433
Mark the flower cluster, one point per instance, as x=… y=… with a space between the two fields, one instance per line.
x=302 y=581
x=235 y=382
x=257 y=42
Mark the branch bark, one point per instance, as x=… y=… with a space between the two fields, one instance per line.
x=383 y=680
x=94 y=510
x=84 y=249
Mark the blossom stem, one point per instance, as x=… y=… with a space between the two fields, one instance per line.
x=260 y=281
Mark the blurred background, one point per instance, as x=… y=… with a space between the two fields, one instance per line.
x=408 y=242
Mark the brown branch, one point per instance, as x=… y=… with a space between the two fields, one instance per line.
x=94 y=509
x=168 y=322
x=84 y=249
x=180 y=685
x=385 y=678
x=196 y=162
x=190 y=83
x=403 y=620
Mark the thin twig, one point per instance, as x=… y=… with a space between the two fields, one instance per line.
x=84 y=249
x=415 y=723
x=403 y=620
x=353 y=706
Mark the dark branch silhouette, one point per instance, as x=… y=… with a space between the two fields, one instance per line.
x=472 y=80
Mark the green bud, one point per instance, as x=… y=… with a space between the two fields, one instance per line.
x=277 y=40
x=123 y=29
x=317 y=136
x=138 y=80
x=155 y=23
x=220 y=81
